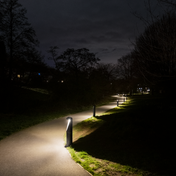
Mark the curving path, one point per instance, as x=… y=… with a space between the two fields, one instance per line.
x=40 y=151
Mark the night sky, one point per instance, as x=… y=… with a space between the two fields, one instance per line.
x=105 y=27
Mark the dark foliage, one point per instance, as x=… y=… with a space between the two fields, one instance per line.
x=155 y=53
x=140 y=136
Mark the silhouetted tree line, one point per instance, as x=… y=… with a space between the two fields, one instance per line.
x=156 y=53
x=78 y=74
x=152 y=62
x=18 y=36
x=83 y=78
x=18 y=47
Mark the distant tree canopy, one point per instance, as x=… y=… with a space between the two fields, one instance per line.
x=17 y=34
x=155 y=51
x=77 y=60
x=102 y=79
x=127 y=72
x=74 y=63
x=125 y=67
x=54 y=54
x=84 y=77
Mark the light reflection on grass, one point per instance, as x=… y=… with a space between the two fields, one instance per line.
x=126 y=143
x=96 y=166
x=39 y=90
x=100 y=167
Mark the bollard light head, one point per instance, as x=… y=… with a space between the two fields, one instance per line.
x=69 y=118
x=69 y=121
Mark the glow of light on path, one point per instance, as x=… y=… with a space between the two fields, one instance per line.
x=42 y=146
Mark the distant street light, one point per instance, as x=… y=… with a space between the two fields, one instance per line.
x=69 y=130
x=124 y=99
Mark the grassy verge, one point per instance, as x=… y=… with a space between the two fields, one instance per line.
x=31 y=106
x=135 y=139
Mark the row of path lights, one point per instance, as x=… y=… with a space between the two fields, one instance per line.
x=124 y=99
x=69 y=129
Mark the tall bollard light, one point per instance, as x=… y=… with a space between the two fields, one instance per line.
x=69 y=131
x=94 y=110
x=117 y=102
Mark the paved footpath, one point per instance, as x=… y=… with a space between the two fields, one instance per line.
x=39 y=150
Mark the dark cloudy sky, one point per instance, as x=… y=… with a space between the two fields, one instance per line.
x=105 y=27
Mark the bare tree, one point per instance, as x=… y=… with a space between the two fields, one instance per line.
x=156 y=51
x=125 y=67
x=170 y=3
x=54 y=55
x=127 y=71
x=102 y=79
x=76 y=61
x=15 y=30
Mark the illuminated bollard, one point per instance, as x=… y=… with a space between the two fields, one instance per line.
x=69 y=131
x=94 y=109
x=117 y=102
x=124 y=99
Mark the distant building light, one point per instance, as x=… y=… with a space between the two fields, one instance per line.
x=62 y=81
x=18 y=76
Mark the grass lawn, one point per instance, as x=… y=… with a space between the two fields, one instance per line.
x=135 y=139
x=30 y=106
